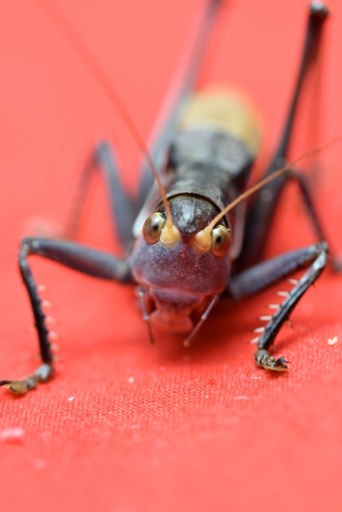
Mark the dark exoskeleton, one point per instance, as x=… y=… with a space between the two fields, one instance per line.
x=185 y=249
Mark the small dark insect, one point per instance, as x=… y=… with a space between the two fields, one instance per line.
x=194 y=218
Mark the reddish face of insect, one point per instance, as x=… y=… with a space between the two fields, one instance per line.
x=172 y=309
x=180 y=277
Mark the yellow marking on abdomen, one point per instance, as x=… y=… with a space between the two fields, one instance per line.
x=224 y=110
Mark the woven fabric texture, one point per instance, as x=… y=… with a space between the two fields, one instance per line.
x=124 y=426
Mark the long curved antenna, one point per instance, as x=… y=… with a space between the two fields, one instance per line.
x=181 y=86
x=87 y=57
x=205 y=233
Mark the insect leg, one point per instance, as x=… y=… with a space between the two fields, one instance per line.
x=187 y=342
x=262 y=210
x=305 y=192
x=268 y=272
x=141 y=296
x=84 y=259
x=179 y=92
x=120 y=203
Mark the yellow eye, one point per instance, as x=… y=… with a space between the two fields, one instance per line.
x=220 y=240
x=152 y=227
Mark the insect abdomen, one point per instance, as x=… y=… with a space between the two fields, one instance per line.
x=223 y=111
x=218 y=129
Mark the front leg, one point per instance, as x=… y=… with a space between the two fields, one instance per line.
x=81 y=258
x=266 y=273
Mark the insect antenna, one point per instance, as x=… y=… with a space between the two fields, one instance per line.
x=87 y=57
x=205 y=233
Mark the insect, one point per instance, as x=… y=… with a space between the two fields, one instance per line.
x=193 y=219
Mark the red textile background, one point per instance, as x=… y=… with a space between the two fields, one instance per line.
x=124 y=426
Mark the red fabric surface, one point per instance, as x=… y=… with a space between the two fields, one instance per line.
x=125 y=426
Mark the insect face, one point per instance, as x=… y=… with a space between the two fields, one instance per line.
x=176 y=277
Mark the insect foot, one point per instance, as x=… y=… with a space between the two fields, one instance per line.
x=268 y=362
x=20 y=387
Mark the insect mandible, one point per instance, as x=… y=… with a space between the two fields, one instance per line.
x=194 y=217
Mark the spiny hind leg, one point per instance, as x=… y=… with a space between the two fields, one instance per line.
x=262 y=210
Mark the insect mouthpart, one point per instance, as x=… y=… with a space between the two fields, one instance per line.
x=174 y=308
